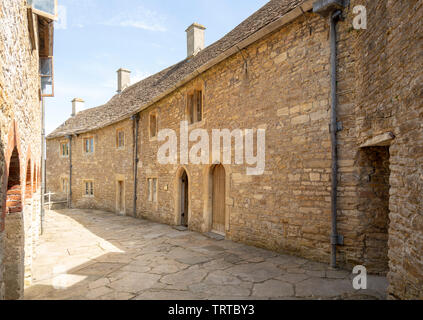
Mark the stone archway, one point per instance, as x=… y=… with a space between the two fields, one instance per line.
x=14 y=230
x=182 y=198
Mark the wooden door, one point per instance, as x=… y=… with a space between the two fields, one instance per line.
x=184 y=200
x=218 y=224
x=120 y=197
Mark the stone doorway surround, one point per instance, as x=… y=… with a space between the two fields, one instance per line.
x=178 y=197
x=208 y=198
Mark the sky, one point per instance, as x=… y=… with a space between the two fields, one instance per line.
x=94 y=38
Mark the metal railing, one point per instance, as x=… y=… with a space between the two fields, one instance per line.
x=50 y=202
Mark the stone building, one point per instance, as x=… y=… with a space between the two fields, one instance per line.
x=273 y=72
x=26 y=39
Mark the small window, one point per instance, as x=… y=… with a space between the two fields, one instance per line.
x=195 y=107
x=153 y=125
x=65 y=185
x=152 y=190
x=89 y=145
x=64 y=149
x=120 y=139
x=89 y=188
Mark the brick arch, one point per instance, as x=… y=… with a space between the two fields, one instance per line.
x=12 y=217
x=14 y=229
x=13 y=143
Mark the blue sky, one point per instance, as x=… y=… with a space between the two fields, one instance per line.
x=94 y=38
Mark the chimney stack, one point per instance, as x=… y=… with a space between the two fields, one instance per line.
x=195 y=39
x=124 y=79
x=77 y=106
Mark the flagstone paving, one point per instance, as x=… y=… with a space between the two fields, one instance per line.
x=88 y=254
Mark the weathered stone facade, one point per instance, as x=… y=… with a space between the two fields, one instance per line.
x=20 y=149
x=281 y=83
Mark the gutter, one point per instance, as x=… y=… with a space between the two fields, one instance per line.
x=43 y=164
x=136 y=119
x=70 y=173
x=332 y=9
x=266 y=30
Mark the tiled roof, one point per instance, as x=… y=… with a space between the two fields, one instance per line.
x=143 y=93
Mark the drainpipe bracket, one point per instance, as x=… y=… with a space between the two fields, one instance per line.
x=337 y=240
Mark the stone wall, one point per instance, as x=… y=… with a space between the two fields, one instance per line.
x=282 y=84
x=20 y=130
x=105 y=167
x=389 y=98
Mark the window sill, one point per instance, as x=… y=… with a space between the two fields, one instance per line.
x=196 y=125
x=87 y=196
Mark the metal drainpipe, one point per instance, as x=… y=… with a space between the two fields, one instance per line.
x=43 y=164
x=70 y=173
x=136 y=119
x=335 y=238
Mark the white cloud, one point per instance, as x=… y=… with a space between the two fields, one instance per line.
x=139 y=75
x=140 y=18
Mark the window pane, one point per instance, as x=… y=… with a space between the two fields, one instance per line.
x=154 y=190
x=199 y=106
x=150 y=187
x=191 y=109
x=47 y=6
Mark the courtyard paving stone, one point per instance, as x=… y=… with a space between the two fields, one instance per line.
x=95 y=255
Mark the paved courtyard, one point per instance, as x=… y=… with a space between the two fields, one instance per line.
x=86 y=254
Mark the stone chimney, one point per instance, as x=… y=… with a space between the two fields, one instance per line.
x=195 y=39
x=77 y=106
x=124 y=79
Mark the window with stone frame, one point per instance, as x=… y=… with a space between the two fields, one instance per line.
x=120 y=139
x=152 y=190
x=64 y=183
x=89 y=145
x=153 y=126
x=194 y=106
x=89 y=188
x=64 y=149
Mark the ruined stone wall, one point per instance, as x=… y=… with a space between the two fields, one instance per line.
x=20 y=122
x=105 y=167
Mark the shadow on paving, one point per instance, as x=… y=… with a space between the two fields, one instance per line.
x=88 y=254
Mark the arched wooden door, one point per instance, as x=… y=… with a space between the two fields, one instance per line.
x=218 y=210
x=184 y=200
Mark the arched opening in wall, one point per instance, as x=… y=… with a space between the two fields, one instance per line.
x=182 y=202
x=374 y=205
x=217 y=196
x=14 y=230
x=28 y=186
